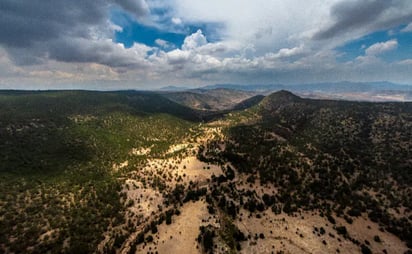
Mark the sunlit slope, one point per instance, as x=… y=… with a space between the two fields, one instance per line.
x=336 y=157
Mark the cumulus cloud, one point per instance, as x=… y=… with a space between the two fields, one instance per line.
x=194 y=40
x=74 y=31
x=240 y=41
x=178 y=56
x=288 y=52
x=267 y=25
x=381 y=47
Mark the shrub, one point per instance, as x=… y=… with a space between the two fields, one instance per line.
x=342 y=230
x=149 y=238
x=365 y=249
x=377 y=239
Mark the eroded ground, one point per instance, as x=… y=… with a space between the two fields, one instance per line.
x=169 y=210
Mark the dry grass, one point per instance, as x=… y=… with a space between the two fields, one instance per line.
x=297 y=235
x=180 y=236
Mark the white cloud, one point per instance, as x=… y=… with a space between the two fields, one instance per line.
x=176 y=21
x=407 y=29
x=381 y=47
x=288 y=52
x=178 y=56
x=406 y=62
x=194 y=40
x=252 y=42
x=164 y=44
x=367 y=60
x=114 y=27
x=268 y=25
x=272 y=25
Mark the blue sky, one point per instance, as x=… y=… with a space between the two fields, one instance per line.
x=145 y=44
x=133 y=31
x=355 y=48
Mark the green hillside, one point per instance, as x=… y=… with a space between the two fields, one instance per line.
x=58 y=190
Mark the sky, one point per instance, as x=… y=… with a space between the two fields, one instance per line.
x=147 y=44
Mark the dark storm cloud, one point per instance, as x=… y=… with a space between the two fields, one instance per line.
x=25 y=22
x=82 y=50
x=136 y=7
x=355 y=14
x=38 y=29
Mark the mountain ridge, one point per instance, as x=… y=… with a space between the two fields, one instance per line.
x=334 y=86
x=345 y=90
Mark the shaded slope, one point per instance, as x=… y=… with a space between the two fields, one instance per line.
x=37 y=127
x=252 y=101
x=59 y=157
x=64 y=103
x=215 y=99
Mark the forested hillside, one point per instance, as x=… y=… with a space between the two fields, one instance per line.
x=345 y=159
x=134 y=172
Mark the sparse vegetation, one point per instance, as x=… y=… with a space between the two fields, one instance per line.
x=57 y=155
x=89 y=171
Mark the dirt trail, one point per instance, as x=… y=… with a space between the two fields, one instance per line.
x=178 y=165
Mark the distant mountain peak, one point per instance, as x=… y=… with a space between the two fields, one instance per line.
x=283 y=95
x=279 y=99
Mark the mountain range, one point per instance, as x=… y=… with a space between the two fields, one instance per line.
x=357 y=91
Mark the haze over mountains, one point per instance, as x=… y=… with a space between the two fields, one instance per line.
x=357 y=91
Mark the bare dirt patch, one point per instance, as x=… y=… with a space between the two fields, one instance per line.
x=180 y=236
x=311 y=233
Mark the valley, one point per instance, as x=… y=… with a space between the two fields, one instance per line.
x=135 y=172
